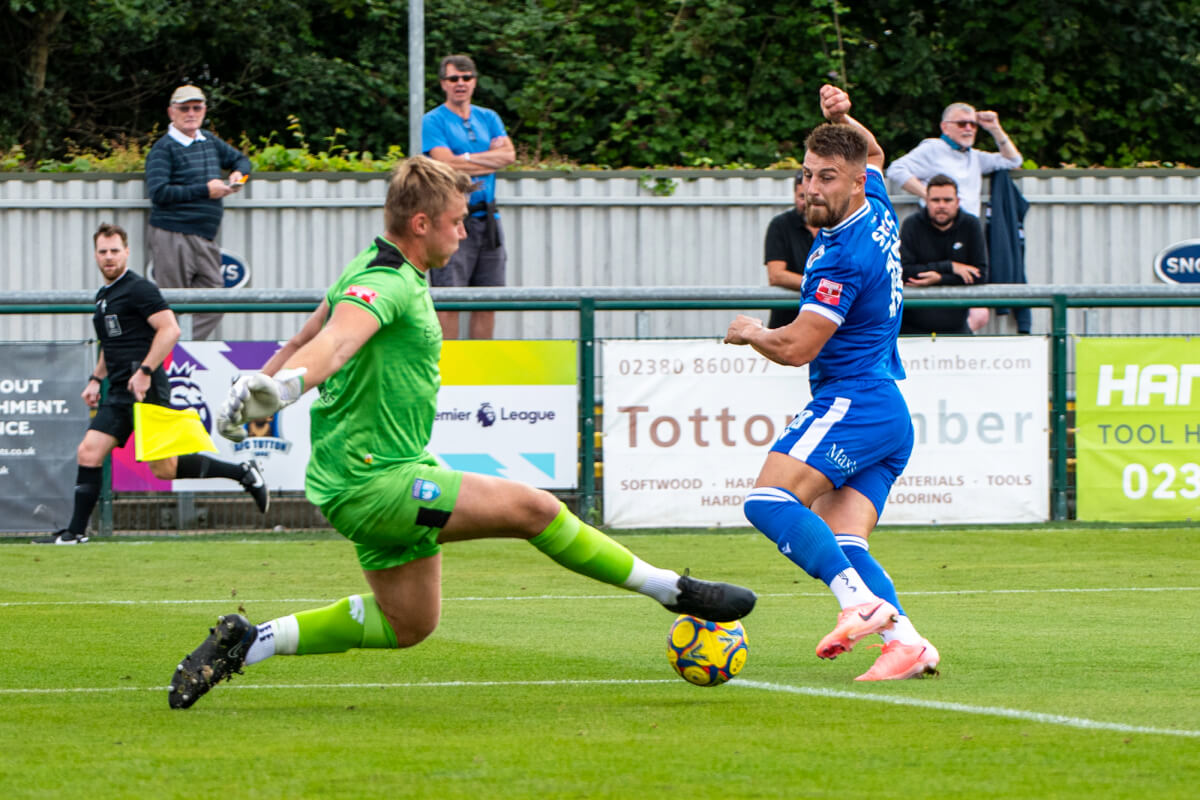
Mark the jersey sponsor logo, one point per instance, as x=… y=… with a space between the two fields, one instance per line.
x=896 y=271
x=838 y=458
x=362 y=293
x=426 y=490
x=829 y=292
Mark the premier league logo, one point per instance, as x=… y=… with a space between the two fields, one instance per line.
x=186 y=393
x=486 y=415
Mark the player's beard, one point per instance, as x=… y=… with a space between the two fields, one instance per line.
x=821 y=215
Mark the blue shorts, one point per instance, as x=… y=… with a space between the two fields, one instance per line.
x=856 y=433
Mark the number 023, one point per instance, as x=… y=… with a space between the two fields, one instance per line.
x=1136 y=481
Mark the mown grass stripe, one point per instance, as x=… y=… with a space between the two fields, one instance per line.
x=808 y=691
x=962 y=708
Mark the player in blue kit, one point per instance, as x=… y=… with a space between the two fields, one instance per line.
x=826 y=479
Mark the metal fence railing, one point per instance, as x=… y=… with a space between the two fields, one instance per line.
x=587 y=303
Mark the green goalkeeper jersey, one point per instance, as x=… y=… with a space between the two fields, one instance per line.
x=378 y=409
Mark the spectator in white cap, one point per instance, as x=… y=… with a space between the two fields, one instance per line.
x=185 y=182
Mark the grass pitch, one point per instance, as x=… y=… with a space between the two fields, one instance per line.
x=1069 y=669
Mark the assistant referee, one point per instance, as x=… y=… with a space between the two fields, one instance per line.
x=137 y=331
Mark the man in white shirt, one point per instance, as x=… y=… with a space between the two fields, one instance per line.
x=954 y=154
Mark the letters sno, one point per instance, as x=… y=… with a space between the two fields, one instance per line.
x=1137 y=441
x=1179 y=263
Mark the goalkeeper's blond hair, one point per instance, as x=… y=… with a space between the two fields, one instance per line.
x=421 y=185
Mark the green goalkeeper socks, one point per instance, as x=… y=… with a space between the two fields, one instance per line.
x=353 y=621
x=581 y=548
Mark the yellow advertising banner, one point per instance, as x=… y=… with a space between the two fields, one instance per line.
x=1137 y=440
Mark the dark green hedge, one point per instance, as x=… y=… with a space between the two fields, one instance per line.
x=620 y=83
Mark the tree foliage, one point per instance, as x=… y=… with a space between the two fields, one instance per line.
x=620 y=83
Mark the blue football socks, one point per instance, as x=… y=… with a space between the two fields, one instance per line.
x=876 y=578
x=799 y=534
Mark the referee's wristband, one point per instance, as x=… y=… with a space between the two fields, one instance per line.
x=95 y=378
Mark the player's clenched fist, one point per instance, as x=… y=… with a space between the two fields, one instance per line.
x=835 y=103
x=742 y=328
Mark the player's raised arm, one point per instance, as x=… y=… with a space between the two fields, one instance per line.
x=835 y=106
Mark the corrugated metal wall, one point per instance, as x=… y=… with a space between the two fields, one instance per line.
x=626 y=228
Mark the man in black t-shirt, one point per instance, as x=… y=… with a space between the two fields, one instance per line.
x=789 y=238
x=137 y=331
x=941 y=245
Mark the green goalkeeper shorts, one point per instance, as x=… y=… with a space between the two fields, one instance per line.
x=396 y=517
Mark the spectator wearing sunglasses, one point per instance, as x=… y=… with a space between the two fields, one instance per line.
x=185 y=182
x=953 y=154
x=472 y=139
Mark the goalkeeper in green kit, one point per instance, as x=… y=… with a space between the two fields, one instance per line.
x=372 y=349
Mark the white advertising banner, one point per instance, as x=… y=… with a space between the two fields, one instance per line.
x=687 y=424
x=981 y=413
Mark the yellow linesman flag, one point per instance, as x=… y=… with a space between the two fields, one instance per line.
x=164 y=432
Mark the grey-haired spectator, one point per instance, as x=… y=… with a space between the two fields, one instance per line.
x=954 y=154
x=185 y=180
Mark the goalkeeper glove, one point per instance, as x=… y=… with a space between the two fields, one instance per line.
x=258 y=396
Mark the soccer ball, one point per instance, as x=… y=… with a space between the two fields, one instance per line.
x=706 y=653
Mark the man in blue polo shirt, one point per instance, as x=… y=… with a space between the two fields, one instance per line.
x=185 y=184
x=471 y=139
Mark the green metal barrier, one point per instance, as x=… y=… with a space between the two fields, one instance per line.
x=587 y=302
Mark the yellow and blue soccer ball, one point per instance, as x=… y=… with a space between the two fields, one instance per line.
x=706 y=653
